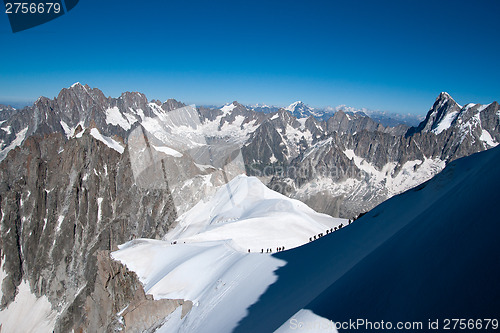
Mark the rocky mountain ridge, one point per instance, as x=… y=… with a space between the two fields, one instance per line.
x=82 y=173
x=276 y=139
x=300 y=110
x=62 y=201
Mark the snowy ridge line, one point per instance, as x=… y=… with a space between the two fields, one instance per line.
x=234 y=291
x=240 y=211
x=212 y=241
x=393 y=246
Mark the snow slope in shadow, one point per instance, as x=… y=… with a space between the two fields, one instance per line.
x=429 y=253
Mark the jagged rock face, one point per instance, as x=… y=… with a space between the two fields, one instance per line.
x=369 y=164
x=241 y=111
x=444 y=107
x=61 y=202
x=172 y=104
x=299 y=110
x=81 y=106
x=344 y=123
x=6 y=111
x=119 y=303
x=208 y=114
x=279 y=139
x=380 y=148
x=352 y=123
x=330 y=160
x=261 y=151
x=466 y=123
x=285 y=138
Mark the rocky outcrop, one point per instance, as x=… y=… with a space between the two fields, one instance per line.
x=443 y=111
x=79 y=106
x=118 y=302
x=345 y=123
x=353 y=164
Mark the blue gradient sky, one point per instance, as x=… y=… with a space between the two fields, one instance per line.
x=385 y=55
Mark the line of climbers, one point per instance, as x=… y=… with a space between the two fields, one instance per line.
x=269 y=250
x=278 y=249
x=341 y=225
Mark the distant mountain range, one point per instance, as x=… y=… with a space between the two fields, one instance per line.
x=300 y=110
x=291 y=137
x=82 y=173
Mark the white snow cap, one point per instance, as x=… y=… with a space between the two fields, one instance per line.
x=228 y=107
x=292 y=106
x=251 y=216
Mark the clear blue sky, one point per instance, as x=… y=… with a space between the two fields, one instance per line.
x=385 y=55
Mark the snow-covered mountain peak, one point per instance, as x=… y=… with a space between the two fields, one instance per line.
x=292 y=106
x=132 y=94
x=220 y=245
x=444 y=95
x=445 y=98
x=251 y=216
x=80 y=94
x=297 y=106
x=441 y=115
x=77 y=86
x=469 y=124
x=300 y=110
x=229 y=107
